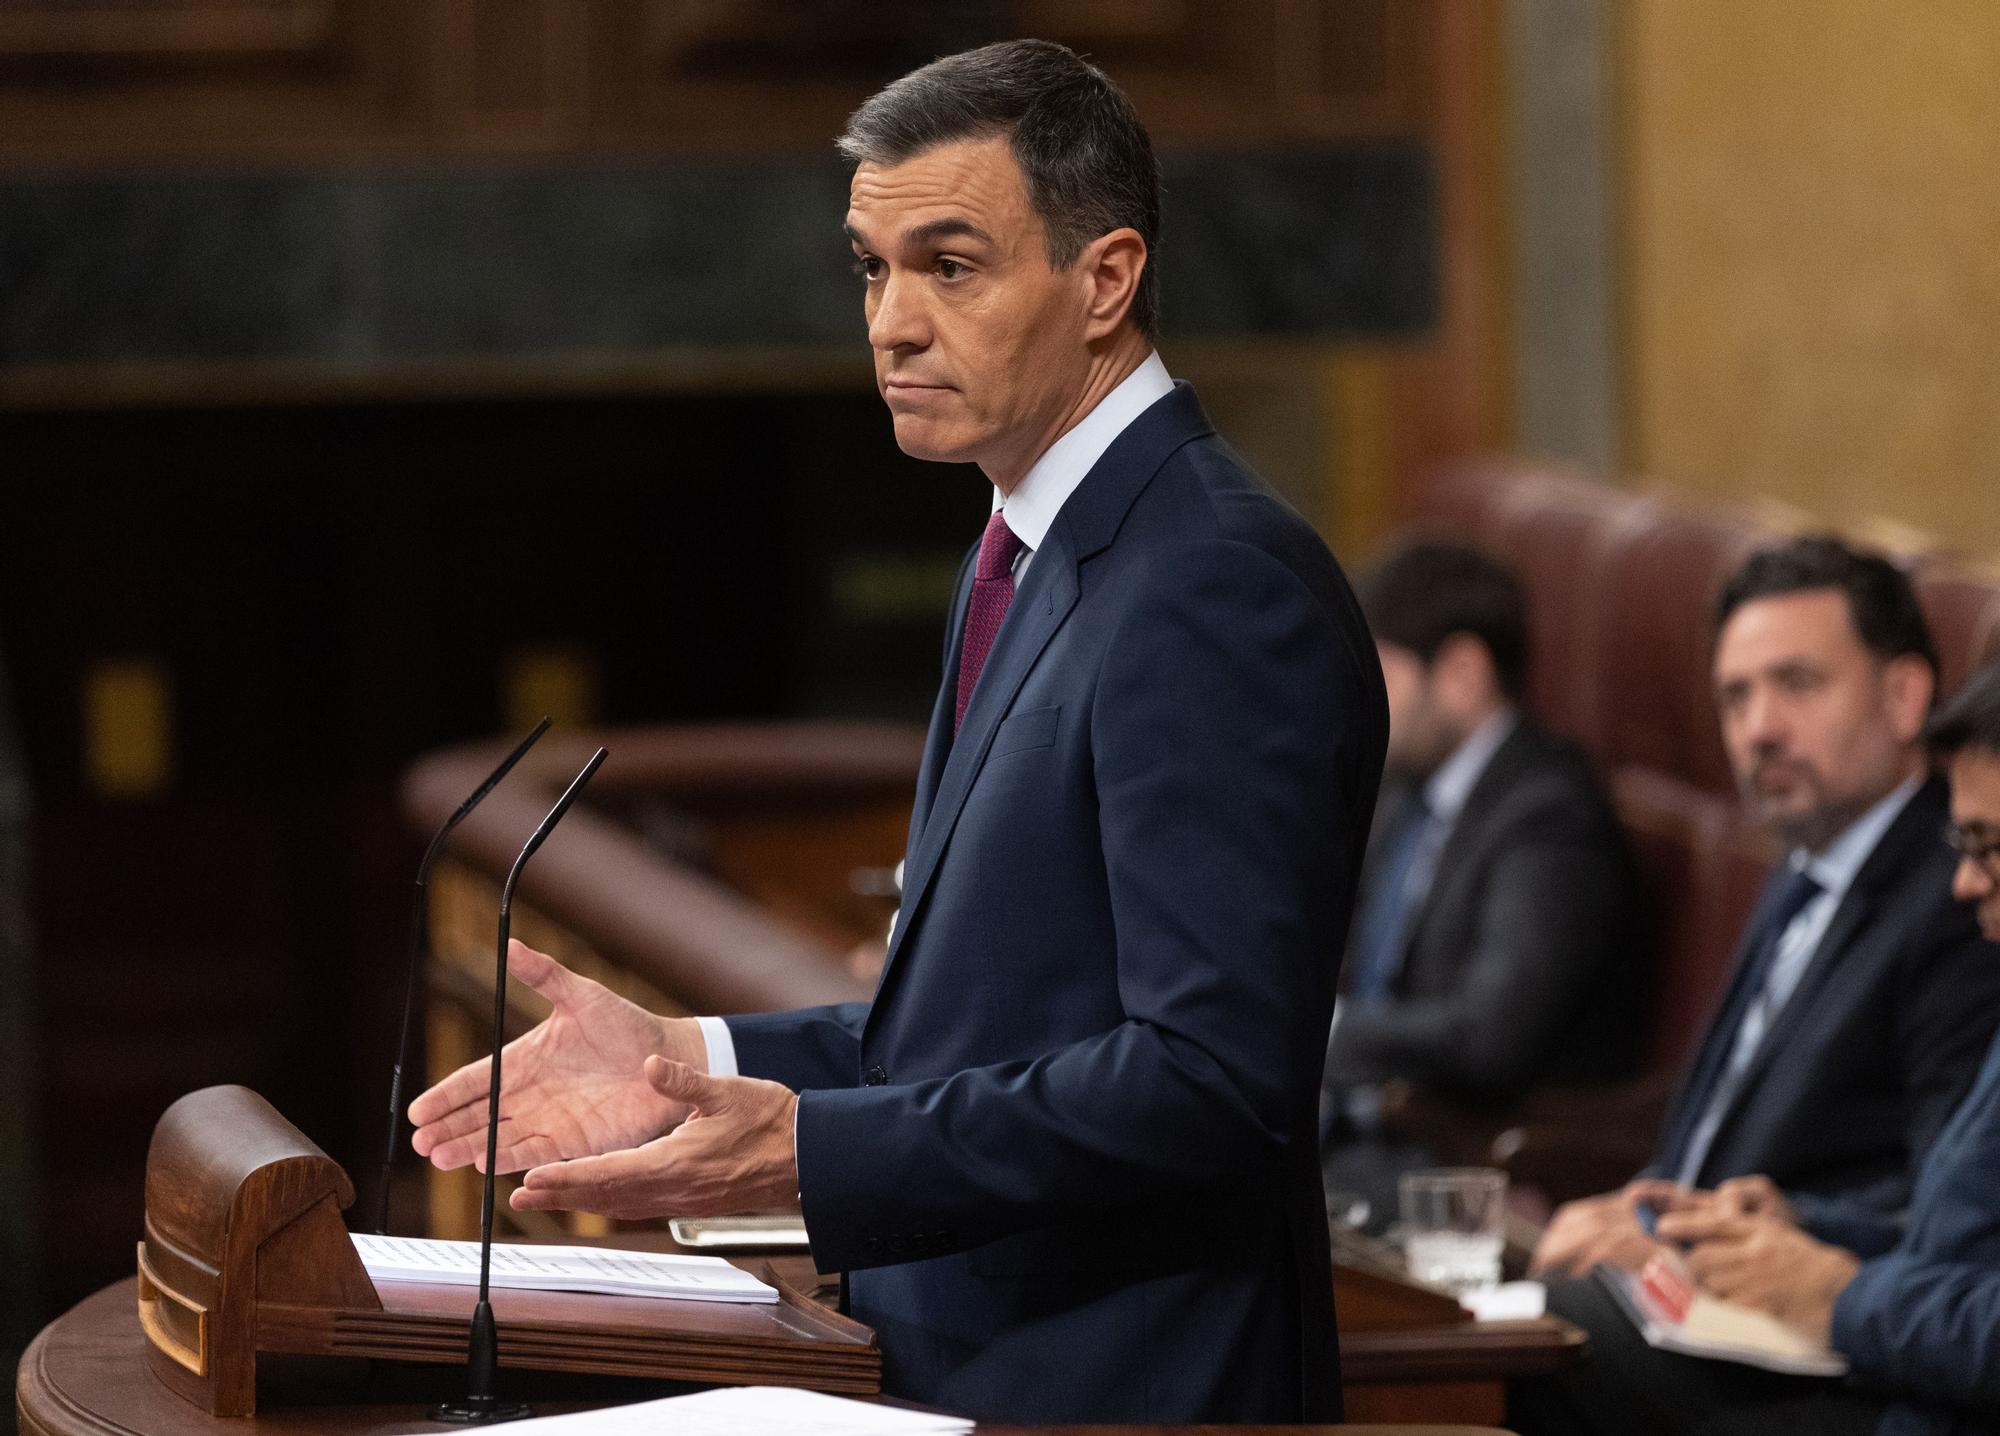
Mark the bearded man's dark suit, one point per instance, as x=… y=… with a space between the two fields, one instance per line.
x=1067 y=1155
x=1874 y=1049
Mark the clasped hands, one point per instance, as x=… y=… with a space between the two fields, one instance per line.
x=611 y=1109
x=1741 y=1242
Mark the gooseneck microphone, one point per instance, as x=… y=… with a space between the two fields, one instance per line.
x=419 y=925
x=480 y=1405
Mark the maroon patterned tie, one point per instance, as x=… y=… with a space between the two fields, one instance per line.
x=992 y=591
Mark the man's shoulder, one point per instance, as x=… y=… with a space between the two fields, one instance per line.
x=1206 y=499
x=1545 y=787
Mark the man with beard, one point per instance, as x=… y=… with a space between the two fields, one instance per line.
x=1914 y=1305
x=1862 y=998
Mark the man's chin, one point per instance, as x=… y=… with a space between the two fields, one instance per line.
x=922 y=439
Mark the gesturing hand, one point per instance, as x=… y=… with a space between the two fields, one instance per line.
x=734 y=1153
x=574 y=1086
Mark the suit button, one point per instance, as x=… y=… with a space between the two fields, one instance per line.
x=873 y=1246
x=874 y=1077
x=897 y=1246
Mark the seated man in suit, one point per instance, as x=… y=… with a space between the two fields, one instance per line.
x=1862 y=999
x=1497 y=942
x=1914 y=1305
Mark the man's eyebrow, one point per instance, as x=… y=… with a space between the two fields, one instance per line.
x=952 y=228
x=930 y=232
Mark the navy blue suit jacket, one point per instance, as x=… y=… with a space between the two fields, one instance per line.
x=1877 y=1044
x=1923 y=1319
x=1067 y=1155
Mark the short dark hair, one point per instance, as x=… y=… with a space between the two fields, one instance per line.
x=1087 y=160
x=1428 y=591
x=1971 y=719
x=1880 y=601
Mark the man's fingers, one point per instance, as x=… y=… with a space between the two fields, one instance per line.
x=450 y=1126
x=466 y=1085
x=469 y=1148
x=549 y=978
x=1701 y=1226
x=1665 y=1196
x=682 y=1083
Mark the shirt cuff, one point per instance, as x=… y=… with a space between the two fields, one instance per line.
x=721 y=1047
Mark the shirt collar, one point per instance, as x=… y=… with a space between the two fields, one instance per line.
x=1836 y=868
x=1453 y=782
x=1040 y=495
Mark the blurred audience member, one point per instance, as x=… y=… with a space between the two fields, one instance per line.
x=1914 y=1306
x=1496 y=943
x=1862 y=1000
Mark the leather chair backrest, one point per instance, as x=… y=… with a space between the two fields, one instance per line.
x=1962 y=604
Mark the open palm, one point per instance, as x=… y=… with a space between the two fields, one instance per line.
x=573 y=1087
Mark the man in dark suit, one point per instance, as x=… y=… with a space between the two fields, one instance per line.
x=1068 y=1154
x=1862 y=999
x=1913 y=1304
x=1497 y=942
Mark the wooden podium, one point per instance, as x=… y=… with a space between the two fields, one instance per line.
x=245 y=1251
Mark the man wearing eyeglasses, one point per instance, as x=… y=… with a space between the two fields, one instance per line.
x=1912 y=1302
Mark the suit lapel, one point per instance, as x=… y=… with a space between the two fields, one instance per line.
x=1858 y=908
x=1046 y=597
x=1086 y=525
x=1698 y=1088
x=1468 y=830
x=938 y=740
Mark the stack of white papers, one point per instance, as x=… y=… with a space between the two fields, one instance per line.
x=551 y=1268
x=747 y=1411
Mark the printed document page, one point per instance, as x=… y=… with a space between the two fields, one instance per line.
x=554 y=1268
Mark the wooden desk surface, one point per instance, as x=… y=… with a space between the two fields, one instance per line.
x=86 y=1375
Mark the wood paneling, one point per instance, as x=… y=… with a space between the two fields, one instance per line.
x=299 y=81
x=1811 y=204
x=54 y=30
x=90 y=84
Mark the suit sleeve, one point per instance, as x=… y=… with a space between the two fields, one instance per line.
x=1951 y=992
x=1554 y=905
x=1231 y=732
x=807 y=1049
x=1862 y=1228
x=1924 y=1326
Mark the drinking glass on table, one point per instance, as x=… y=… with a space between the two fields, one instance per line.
x=1452 y=1226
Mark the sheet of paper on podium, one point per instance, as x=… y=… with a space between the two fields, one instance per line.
x=748 y=1411
x=557 y=1268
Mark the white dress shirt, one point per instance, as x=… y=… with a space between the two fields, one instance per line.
x=1030 y=509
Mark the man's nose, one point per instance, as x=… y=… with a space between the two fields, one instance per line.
x=898 y=321
x=1764 y=725
x=1970 y=882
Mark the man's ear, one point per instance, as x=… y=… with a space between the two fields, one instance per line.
x=1463 y=674
x=1110 y=266
x=1908 y=686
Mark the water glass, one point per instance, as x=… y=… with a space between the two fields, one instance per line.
x=1452 y=1226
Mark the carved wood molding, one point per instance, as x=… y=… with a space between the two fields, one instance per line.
x=66 y=29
